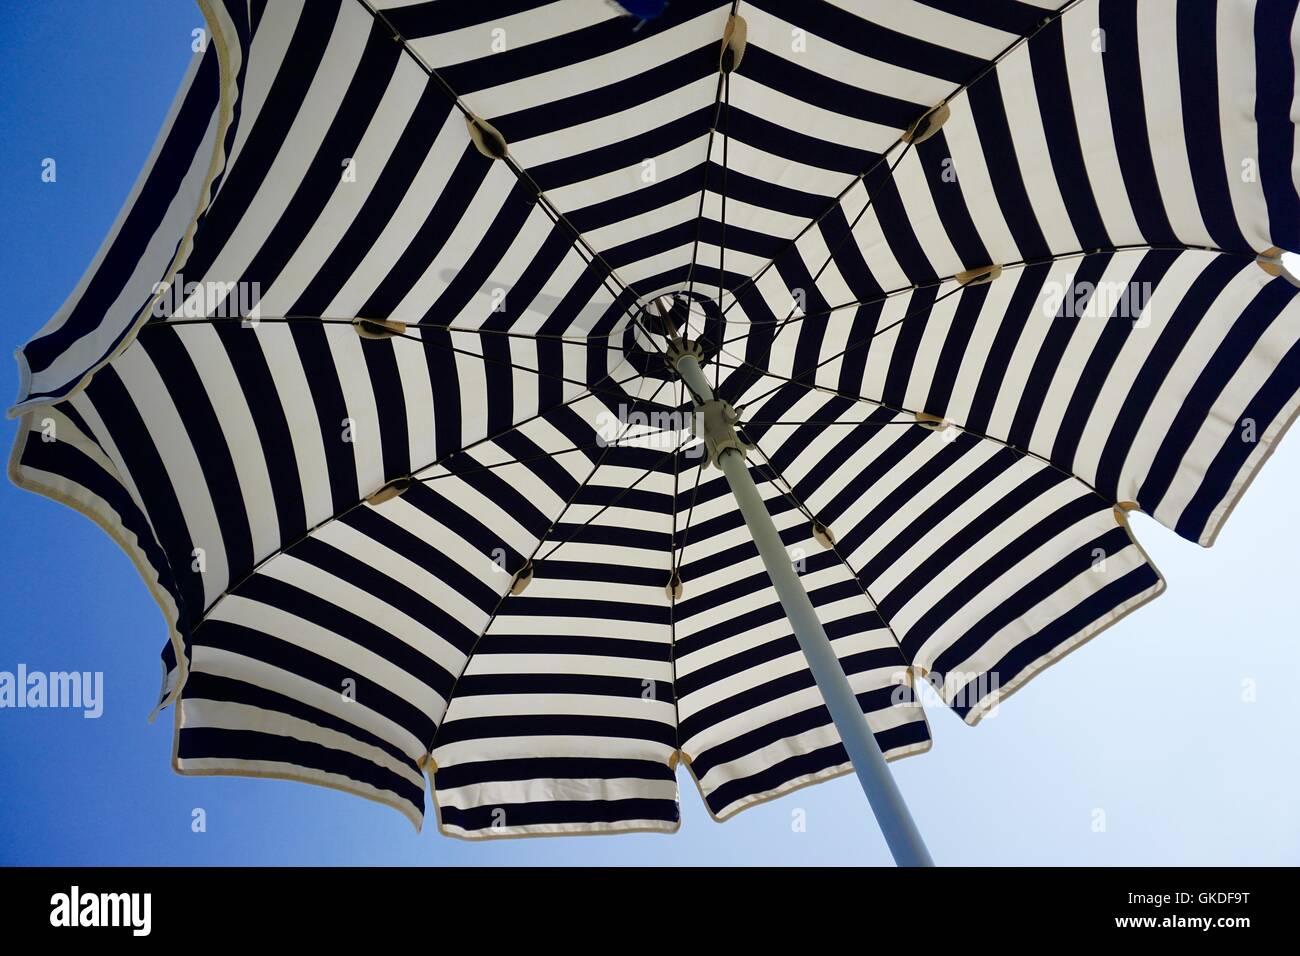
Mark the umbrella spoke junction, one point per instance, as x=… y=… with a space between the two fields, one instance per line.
x=527 y=402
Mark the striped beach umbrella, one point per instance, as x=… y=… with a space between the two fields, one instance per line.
x=519 y=399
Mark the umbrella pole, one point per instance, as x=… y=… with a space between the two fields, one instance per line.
x=868 y=762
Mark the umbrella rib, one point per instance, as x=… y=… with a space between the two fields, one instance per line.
x=498 y=435
x=812 y=370
x=505 y=431
x=494 y=361
x=924 y=310
x=674 y=562
x=1018 y=264
x=552 y=211
x=536 y=336
x=722 y=238
x=677 y=556
x=789 y=493
x=704 y=187
x=618 y=443
x=680 y=553
x=311 y=320
x=984 y=71
x=646 y=332
x=672 y=576
x=623 y=492
x=829 y=258
x=341 y=320
x=820 y=424
x=451 y=693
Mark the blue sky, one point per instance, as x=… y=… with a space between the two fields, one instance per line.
x=1146 y=725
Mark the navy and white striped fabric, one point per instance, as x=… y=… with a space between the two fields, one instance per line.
x=477 y=548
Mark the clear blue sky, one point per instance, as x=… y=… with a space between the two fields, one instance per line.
x=1147 y=723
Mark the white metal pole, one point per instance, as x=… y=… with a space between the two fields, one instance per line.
x=891 y=811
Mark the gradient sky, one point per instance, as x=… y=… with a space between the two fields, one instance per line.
x=1147 y=724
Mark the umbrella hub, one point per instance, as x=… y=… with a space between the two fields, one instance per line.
x=679 y=348
x=694 y=318
x=714 y=419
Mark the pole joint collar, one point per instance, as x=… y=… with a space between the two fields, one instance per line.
x=715 y=422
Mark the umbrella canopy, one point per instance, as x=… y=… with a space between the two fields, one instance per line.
x=369 y=378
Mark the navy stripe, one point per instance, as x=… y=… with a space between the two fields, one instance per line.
x=1198 y=66
x=555 y=768
x=1122 y=63
x=210 y=743
x=1056 y=106
x=559 y=811
x=1275 y=78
